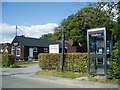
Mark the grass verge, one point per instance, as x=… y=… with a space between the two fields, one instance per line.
x=0 y=65
x=18 y=63
x=73 y=75
x=66 y=74
x=24 y=62
x=103 y=80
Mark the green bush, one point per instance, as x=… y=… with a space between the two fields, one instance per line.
x=75 y=62
x=7 y=59
x=11 y=59
x=114 y=67
x=49 y=61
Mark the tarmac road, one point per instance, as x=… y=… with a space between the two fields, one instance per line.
x=18 y=82
x=25 y=78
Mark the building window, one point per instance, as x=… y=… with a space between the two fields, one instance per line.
x=35 y=49
x=18 y=51
x=45 y=50
x=12 y=50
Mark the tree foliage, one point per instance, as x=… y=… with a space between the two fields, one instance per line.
x=109 y=7
x=76 y=26
x=117 y=32
x=46 y=36
x=114 y=71
x=114 y=68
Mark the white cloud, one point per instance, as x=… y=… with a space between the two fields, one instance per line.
x=8 y=31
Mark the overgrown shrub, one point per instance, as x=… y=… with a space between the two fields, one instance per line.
x=75 y=62
x=7 y=59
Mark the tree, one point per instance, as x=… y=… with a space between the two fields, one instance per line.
x=114 y=71
x=76 y=26
x=117 y=32
x=47 y=36
x=109 y=7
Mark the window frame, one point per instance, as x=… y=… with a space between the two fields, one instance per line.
x=12 y=50
x=35 y=49
x=18 y=49
x=45 y=49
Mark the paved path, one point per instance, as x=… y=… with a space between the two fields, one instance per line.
x=26 y=74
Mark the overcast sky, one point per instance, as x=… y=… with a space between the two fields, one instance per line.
x=34 y=18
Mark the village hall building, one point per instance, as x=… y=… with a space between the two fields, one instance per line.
x=27 y=47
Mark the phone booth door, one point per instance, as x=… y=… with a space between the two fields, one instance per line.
x=96 y=51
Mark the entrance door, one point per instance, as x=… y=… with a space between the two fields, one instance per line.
x=30 y=52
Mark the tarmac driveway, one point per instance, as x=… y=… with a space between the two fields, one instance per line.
x=24 y=70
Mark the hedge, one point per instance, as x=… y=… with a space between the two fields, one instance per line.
x=7 y=59
x=75 y=62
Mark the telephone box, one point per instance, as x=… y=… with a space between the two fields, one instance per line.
x=99 y=43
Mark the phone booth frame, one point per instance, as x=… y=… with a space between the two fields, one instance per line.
x=99 y=45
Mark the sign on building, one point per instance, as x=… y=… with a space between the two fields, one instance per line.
x=54 y=48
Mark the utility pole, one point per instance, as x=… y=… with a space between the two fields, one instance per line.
x=16 y=30
x=15 y=36
x=63 y=45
